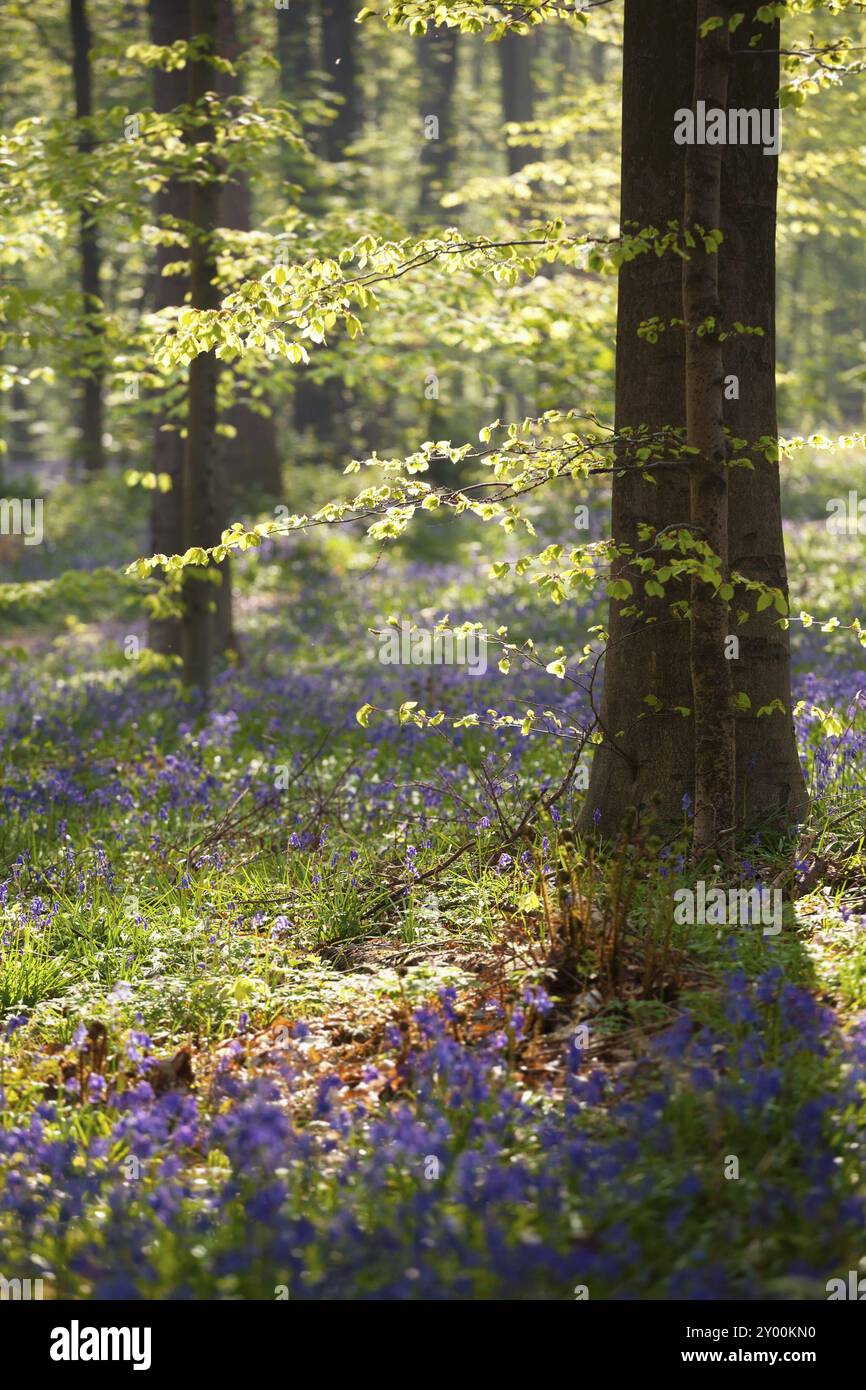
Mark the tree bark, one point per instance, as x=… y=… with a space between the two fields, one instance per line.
x=251 y=458
x=518 y=93
x=770 y=785
x=294 y=47
x=92 y=357
x=169 y=21
x=297 y=63
x=437 y=68
x=200 y=525
x=647 y=754
x=339 y=51
x=320 y=408
x=712 y=710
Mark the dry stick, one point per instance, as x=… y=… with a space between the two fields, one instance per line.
x=710 y=671
x=544 y=802
x=224 y=824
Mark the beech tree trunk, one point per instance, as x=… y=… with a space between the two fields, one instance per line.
x=437 y=67
x=647 y=753
x=652 y=754
x=92 y=360
x=169 y=21
x=297 y=63
x=294 y=47
x=251 y=457
x=200 y=525
x=770 y=785
x=518 y=94
x=320 y=407
x=339 y=51
x=712 y=711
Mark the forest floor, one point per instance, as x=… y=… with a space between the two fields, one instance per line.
x=287 y=1013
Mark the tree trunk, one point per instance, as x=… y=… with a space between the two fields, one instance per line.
x=339 y=51
x=294 y=49
x=320 y=408
x=200 y=525
x=92 y=359
x=712 y=711
x=21 y=445
x=296 y=60
x=169 y=21
x=518 y=95
x=251 y=458
x=437 y=69
x=770 y=785
x=645 y=753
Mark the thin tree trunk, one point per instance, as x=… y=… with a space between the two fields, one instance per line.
x=339 y=51
x=92 y=359
x=200 y=527
x=437 y=58
x=516 y=55
x=21 y=447
x=315 y=406
x=437 y=68
x=295 y=57
x=294 y=47
x=320 y=408
x=712 y=710
x=251 y=457
x=169 y=21
x=518 y=93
